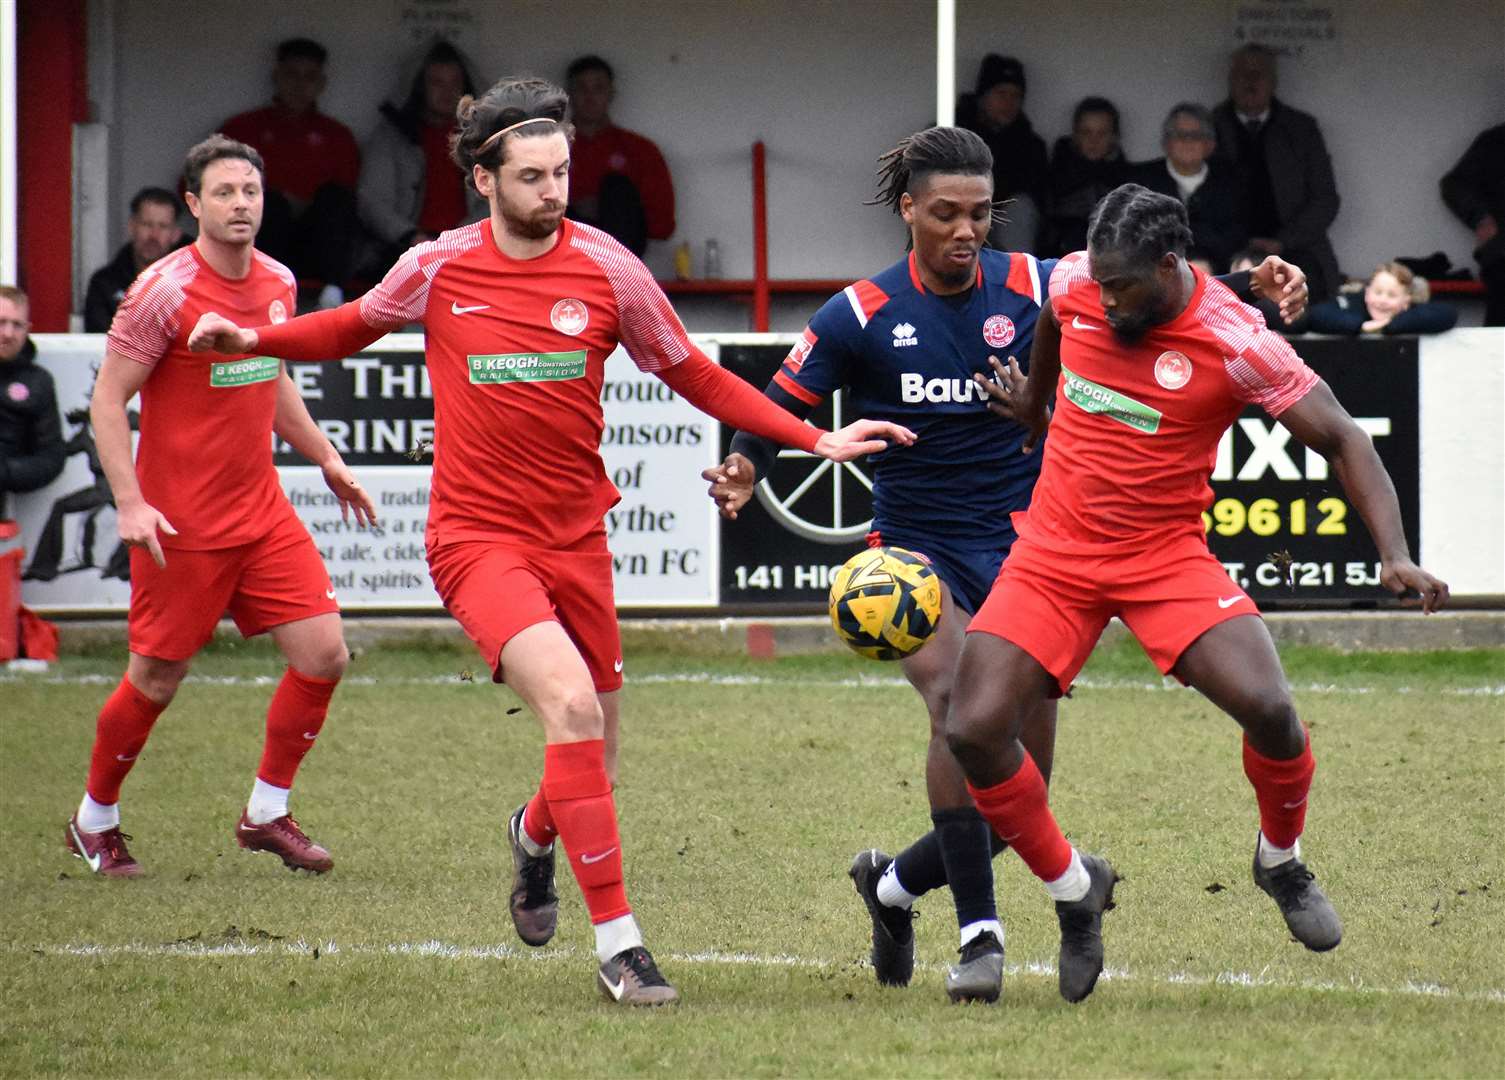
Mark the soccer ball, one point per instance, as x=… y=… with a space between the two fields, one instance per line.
x=885 y=603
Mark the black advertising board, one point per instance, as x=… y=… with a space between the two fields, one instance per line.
x=1279 y=520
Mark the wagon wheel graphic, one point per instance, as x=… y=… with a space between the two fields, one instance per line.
x=835 y=516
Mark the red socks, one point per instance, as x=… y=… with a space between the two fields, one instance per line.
x=1019 y=813
x=538 y=821
x=124 y=723
x=293 y=722
x=579 y=796
x=1280 y=788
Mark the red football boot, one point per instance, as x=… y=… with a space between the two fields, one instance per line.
x=104 y=852
x=283 y=838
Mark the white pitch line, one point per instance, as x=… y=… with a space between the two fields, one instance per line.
x=444 y=951
x=857 y=682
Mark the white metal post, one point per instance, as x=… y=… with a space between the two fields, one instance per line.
x=945 y=62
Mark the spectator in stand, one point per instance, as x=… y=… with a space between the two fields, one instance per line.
x=153 y=232
x=312 y=167
x=1282 y=163
x=1388 y=306
x=1475 y=191
x=1206 y=186
x=1084 y=167
x=619 y=181
x=410 y=190
x=1021 y=177
x=31 y=436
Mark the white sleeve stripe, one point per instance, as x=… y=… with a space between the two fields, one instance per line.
x=1034 y=276
x=851 y=295
x=647 y=326
x=403 y=295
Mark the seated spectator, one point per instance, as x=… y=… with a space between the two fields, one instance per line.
x=1206 y=185
x=31 y=436
x=312 y=167
x=1277 y=152
x=619 y=181
x=1387 y=306
x=1475 y=191
x=411 y=191
x=1084 y=167
x=153 y=232
x=1020 y=173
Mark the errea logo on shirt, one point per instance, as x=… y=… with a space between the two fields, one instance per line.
x=904 y=336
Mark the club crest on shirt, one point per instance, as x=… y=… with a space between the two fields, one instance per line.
x=277 y=312
x=1172 y=369
x=570 y=316
x=801 y=351
x=998 y=331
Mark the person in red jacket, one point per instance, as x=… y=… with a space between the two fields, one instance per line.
x=312 y=163
x=618 y=179
x=520 y=312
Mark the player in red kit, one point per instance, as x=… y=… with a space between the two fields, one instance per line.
x=203 y=511
x=1150 y=362
x=521 y=311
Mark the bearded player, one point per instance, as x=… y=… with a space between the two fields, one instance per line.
x=203 y=512
x=1149 y=362
x=521 y=311
x=905 y=344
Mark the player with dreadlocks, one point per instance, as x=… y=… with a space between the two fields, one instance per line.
x=521 y=311
x=1149 y=362
x=906 y=344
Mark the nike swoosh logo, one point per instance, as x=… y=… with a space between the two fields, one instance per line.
x=456 y=309
x=1228 y=601
x=1078 y=324
x=123 y=757
x=617 y=666
x=614 y=988
x=310 y=735
x=247 y=828
x=93 y=860
x=329 y=594
x=1293 y=805
x=588 y=859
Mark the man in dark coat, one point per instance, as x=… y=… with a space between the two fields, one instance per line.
x=31 y=437
x=1020 y=172
x=153 y=231
x=1206 y=185
x=1282 y=162
x=1475 y=191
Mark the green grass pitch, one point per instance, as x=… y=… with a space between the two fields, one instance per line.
x=746 y=788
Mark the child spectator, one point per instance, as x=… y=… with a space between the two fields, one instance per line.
x=1388 y=306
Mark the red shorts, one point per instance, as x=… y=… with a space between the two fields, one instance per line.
x=1054 y=606
x=495 y=591
x=277 y=579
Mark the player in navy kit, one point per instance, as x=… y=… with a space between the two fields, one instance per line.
x=905 y=344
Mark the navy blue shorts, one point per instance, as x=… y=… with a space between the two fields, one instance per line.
x=967 y=567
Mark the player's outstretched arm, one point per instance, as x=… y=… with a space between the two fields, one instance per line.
x=721 y=394
x=1320 y=422
x=1282 y=283
x=118 y=381
x=1025 y=399
x=317 y=336
x=749 y=458
x=296 y=427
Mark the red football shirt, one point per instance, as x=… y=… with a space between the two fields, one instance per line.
x=302 y=151
x=205 y=455
x=1136 y=427
x=516 y=351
